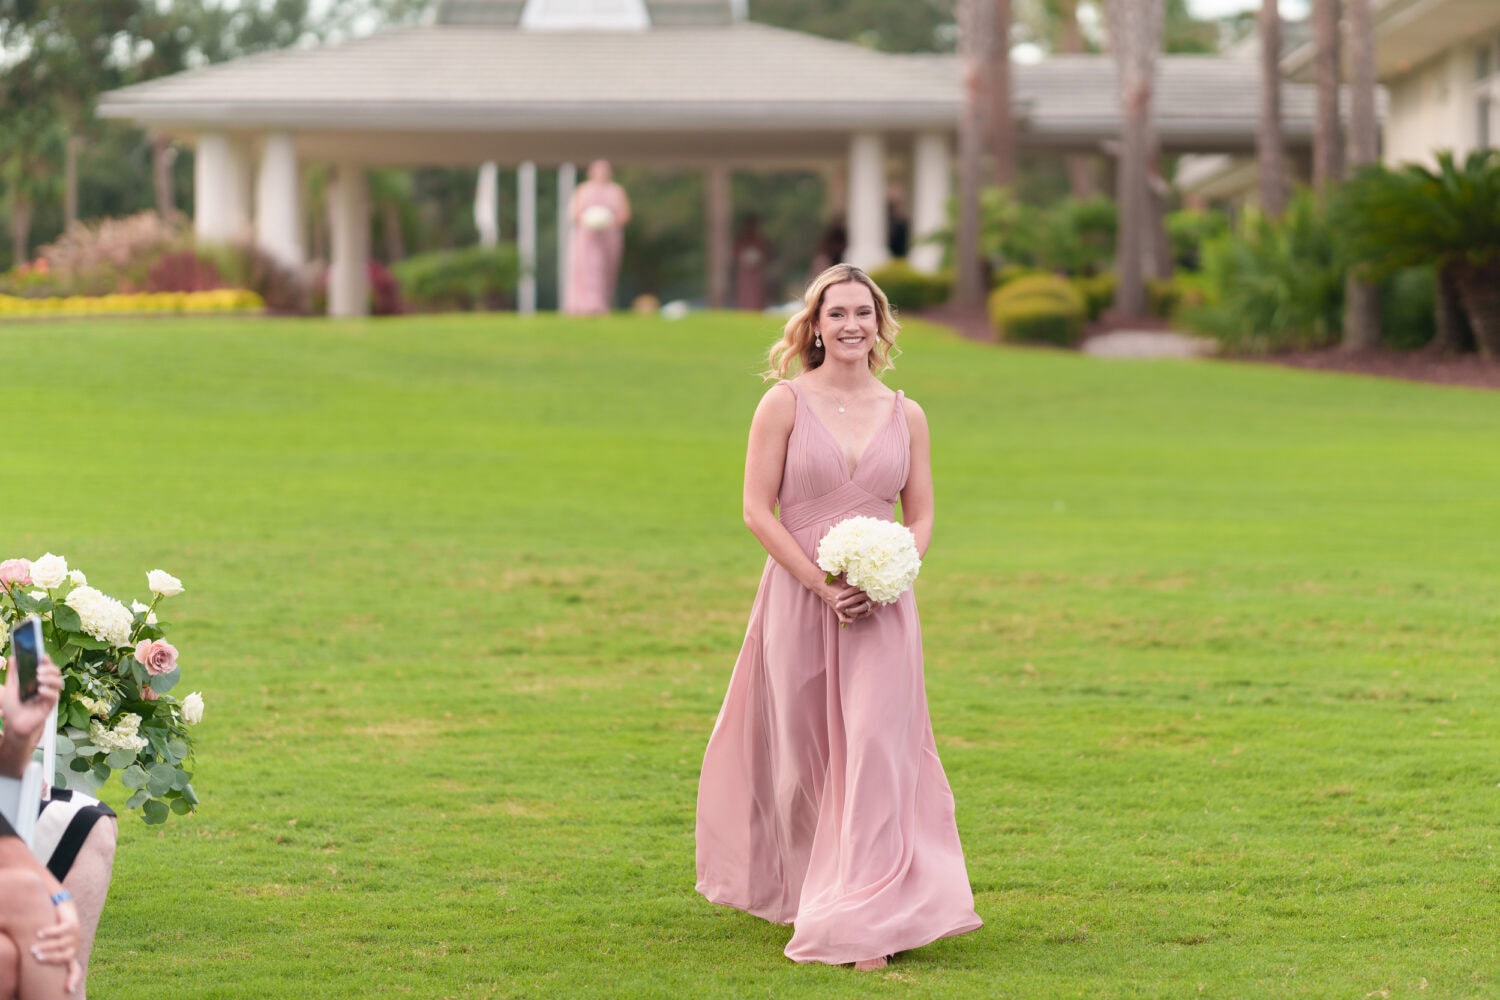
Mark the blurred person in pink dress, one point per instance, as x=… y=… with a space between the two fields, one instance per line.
x=822 y=802
x=599 y=210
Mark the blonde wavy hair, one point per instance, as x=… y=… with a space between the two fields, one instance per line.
x=796 y=348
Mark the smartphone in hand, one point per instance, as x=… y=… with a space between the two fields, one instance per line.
x=26 y=646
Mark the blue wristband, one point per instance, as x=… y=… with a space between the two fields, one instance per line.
x=61 y=897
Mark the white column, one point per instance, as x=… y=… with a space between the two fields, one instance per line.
x=487 y=204
x=567 y=182
x=349 y=227
x=932 y=173
x=867 y=213
x=221 y=188
x=526 y=237
x=719 y=210
x=278 y=203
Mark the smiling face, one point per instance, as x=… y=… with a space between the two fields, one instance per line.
x=847 y=322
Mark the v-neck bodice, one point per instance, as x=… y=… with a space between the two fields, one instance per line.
x=818 y=469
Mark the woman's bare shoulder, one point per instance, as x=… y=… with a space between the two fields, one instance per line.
x=778 y=406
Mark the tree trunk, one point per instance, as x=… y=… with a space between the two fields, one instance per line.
x=1362 y=299
x=1269 y=144
x=1080 y=168
x=1479 y=290
x=1328 y=133
x=163 y=155
x=1135 y=38
x=71 y=146
x=20 y=232
x=1002 y=117
x=975 y=37
x=1453 y=335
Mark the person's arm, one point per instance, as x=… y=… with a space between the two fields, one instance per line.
x=765 y=461
x=22 y=722
x=623 y=215
x=916 y=496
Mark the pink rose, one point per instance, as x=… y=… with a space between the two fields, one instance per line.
x=15 y=572
x=158 y=656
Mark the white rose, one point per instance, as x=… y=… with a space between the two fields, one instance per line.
x=76 y=577
x=192 y=709
x=163 y=584
x=49 y=571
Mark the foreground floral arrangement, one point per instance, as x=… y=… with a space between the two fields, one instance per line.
x=115 y=713
x=879 y=557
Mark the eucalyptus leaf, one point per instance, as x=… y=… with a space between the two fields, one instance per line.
x=101 y=772
x=64 y=745
x=177 y=748
x=137 y=799
x=180 y=779
x=155 y=812
x=161 y=779
x=181 y=806
x=121 y=759
x=162 y=683
x=60 y=780
x=134 y=776
x=79 y=764
x=189 y=794
x=86 y=782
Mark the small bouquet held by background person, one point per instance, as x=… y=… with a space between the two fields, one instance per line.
x=879 y=557
x=115 y=712
x=597 y=217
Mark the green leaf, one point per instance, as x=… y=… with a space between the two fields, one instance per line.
x=85 y=641
x=139 y=798
x=134 y=776
x=78 y=716
x=181 y=807
x=162 y=683
x=67 y=619
x=65 y=745
x=189 y=794
x=28 y=605
x=178 y=748
x=155 y=812
x=101 y=772
x=181 y=779
x=61 y=780
x=121 y=759
x=161 y=779
x=79 y=764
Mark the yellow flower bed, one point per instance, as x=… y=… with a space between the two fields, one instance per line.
x=218 y=301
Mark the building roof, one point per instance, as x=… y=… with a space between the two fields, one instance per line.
x=461 y=93
x=1410 y=32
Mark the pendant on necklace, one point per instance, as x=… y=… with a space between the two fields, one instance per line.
x=841 y=409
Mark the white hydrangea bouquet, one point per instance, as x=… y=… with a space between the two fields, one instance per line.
x=597 y=217
x=879 y=557
x=116 y=712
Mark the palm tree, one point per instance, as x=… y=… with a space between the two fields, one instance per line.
x=1002 y=120
x=1269 y=142
x=1135 y=31
x=1328 y=135
x=1362 y=299
x=1394 y=219
x=31 y=149
x=976 y=20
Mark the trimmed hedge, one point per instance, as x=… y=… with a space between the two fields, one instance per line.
x=472 y=278
x=218 y=301
x=1039 y=309
x=908 y=288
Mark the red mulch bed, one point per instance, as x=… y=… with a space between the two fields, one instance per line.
x=1467 y=370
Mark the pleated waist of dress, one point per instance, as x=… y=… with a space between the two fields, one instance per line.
x=849 y=500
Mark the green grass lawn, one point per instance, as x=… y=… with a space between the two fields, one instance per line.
x=1211 y=654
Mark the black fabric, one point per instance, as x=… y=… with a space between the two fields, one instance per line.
x=5 y=828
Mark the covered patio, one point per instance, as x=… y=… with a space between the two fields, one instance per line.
x=679 y=84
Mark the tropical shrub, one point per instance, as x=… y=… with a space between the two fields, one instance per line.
x=467 y=279
x=1039 y=309
x=1448 y=217
x=1408 y=308
x=908 y=288
x=1098 y=291
x=286 y=290
x=107 y=256
x=1271 y=286
x=182 y=271
x=1188 y=230
x=384 y=297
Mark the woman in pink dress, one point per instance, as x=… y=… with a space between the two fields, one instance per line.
x=599 y=211
x=822 y=802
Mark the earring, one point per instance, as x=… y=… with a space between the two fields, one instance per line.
x=817 y=340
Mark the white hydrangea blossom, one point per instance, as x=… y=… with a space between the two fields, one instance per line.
x=877 y=556
x=122 y=737
x=138 y=607
x=49 y=571
x=103 y=617
x=94 y=706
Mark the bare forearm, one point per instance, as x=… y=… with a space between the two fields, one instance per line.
x=15 y=754
x=921 y=527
